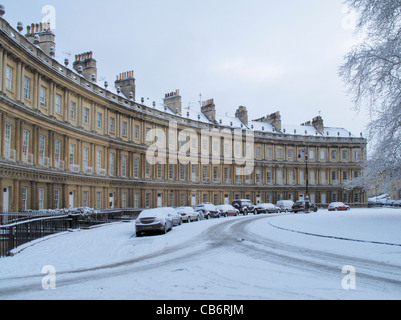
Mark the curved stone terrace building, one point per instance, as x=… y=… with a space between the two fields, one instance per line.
x=68 y=141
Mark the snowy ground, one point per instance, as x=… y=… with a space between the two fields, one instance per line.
x=236 y=258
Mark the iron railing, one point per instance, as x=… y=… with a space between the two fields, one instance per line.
x=17 y=229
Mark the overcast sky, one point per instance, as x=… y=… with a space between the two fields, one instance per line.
x=267 y=55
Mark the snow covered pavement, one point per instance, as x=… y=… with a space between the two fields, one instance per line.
x=237 y=258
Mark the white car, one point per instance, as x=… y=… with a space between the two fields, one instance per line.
x=338 y=206
x=155 y=220
x=285 y=205
x=188 y=214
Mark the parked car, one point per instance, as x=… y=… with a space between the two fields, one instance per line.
x=339 y=206
x=301 y=205
x=188 y=214
x=227 y=210
x=397 y=203
x=267 y=208
x=285 y=205
x=154 y=220
x=244 y=206
x=208 y=210
x=177 y=219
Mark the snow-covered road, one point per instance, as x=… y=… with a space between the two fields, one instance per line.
x=253 y=257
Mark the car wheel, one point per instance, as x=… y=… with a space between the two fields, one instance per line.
x=139 y=234
x=245 y=212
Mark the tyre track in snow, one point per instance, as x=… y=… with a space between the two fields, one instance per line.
x=273 y=251
x=231 y=235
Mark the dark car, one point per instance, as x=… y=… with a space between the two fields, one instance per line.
x=208 y=210
x=244 y=206
x=301 y=205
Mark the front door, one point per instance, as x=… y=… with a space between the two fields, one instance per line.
x=71 y=200
x=159 y=200
x=111 y=200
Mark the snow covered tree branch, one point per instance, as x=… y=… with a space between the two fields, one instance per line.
x=372 y=71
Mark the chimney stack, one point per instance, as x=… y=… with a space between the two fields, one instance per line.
x=318 y=124
x=173 y=101
x=47 y=39
x=126 y=82
x=242 y=114
x=88 y=64
x=209 y=109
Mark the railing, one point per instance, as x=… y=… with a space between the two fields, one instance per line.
x=17 y=229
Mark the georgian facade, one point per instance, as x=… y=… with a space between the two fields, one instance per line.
x=67 y=141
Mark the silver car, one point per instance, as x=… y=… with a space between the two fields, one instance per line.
x=155 y=221
x=188 y=214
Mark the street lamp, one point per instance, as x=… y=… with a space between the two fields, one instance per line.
x=301 y=152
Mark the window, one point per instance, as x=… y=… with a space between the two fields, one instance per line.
x=24 y=199
x=159 y=170
x=57 y=153
x=72 y=153
x=27 y=88
x=258 y=151
x=269 y=177
x=41 y=199
x=98 y=160
x=124 y=128
x=182 y=172
x=42 y=149
x=290 y=153
x=136 y=167
x=43 y=95
x=9 y=78
x=58 y=104
x=226 y=174
x=334 y=176
x=215 y=173
x=7 y=141
x=99 y=118
x=269 y=152
x=85 y=198
x=258 y=175
x=112 y=125
x=57 y=199
x=345 y=155
x=148 y=199
x=356 y=198
x=322 y=155
x=25 y=145
x=147 y=170
x=136 y=132
x=98 y=200
x=86 y=115
x=311 y=154
x=73 y=107
x=111 y=163
x=333 y=154
x=124 y=166
x=171 y=171
x=279 y=153
x=136 y=200
x=86 y=157
x=356 y=155
x=204 y=173
x=123 y=200
x=280 y=179
x=171 y=199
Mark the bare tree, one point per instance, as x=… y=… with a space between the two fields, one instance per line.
x=372 y=71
